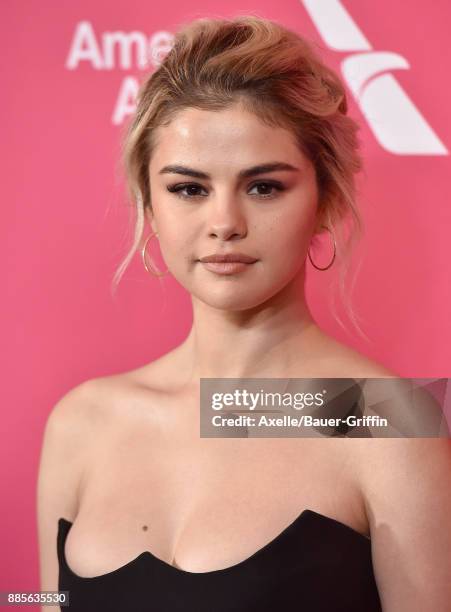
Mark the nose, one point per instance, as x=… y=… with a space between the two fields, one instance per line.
x=226 y=219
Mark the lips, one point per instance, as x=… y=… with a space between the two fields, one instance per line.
x=226 y=267
x=228 y=258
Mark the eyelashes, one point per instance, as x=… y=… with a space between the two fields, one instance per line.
x=179 y=189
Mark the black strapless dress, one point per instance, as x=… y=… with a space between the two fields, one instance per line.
x=316 y=564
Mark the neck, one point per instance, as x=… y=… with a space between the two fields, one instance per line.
x=264 y=341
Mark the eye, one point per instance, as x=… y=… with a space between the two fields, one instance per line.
x=180 y=187
x=268 y=185
x=191 y=191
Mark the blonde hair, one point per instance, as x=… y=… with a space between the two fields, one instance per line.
x=277 y=75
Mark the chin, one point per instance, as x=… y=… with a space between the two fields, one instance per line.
x=231 y=297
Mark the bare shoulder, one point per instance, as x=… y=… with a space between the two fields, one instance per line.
x=74 y=419
x=66 y=441
x=342 y=361
x=89 y=408
x=406 y=484
x=73 y=408
x=71 y=435
x=396 y=470
x=74 y=429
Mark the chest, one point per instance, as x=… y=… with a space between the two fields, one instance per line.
x=202 y=503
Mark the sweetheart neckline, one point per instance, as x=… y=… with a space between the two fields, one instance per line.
x=178 y=570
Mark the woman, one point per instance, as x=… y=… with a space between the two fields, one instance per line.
x=240 y=147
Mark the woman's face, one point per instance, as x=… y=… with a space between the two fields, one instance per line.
x=211 y=194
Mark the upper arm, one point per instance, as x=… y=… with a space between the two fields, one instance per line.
x=63 y=448
x=407 y=489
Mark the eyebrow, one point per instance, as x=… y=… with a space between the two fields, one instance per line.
x=246 y=173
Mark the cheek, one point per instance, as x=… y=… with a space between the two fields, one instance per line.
x=170 y=225
x=288 y=237
x=176 y=245
x=172 y=247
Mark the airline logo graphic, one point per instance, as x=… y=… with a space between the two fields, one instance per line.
x=118 y=51
x=395 y=121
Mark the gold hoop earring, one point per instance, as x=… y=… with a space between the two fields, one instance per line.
x=333 y=257
x=143 y=255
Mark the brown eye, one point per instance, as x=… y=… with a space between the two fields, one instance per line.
x=188 y=191
x=268 y=188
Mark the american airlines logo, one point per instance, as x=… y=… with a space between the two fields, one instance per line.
x=113 y=51
x=396 y=123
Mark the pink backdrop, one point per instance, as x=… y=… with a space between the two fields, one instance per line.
x=66 y=94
